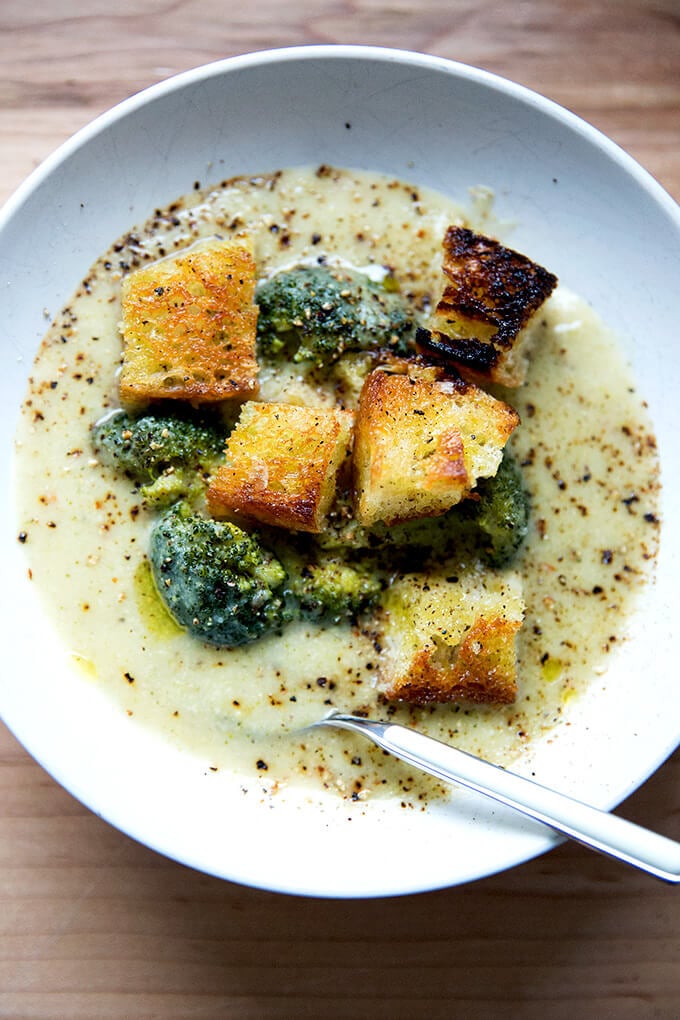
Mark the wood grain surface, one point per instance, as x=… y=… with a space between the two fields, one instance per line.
x=93 y=925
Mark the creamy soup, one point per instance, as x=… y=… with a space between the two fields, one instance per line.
x=585 y=445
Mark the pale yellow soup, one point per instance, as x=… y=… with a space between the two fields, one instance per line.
x=589 y=463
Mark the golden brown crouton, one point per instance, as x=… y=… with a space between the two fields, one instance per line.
x=282 y=465
x=189 y=326
x=421 y=444
x=481 y=323
x=448 y=640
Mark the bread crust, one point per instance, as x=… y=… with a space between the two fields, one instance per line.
x=448 y=640
x=282 y=465
x=189 y=326
x=421 y=443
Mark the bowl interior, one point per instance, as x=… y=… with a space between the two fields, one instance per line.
x=579 y=205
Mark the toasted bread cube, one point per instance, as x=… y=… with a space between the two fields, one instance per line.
x=189 y=325
x=421 y=444
x=483 y=321
x=446 y=640
x=282 y=465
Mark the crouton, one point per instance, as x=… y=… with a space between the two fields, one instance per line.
x=282 y=465
x=421 y=444
x=483 y=322
x=189 y=325
x=447 y=639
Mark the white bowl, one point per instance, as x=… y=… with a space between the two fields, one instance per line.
x=581 y=207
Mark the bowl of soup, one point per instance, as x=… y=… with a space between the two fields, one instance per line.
x=346 y=167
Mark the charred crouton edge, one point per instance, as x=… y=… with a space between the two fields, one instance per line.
x=189 y=326
x=491 y=294
x=282 y=462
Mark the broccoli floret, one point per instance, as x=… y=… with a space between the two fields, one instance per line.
x=319 y=313
x=494 y=523
x=439 y=536
x=502 y=513
x=165 y=454
x=330 y=588
x=432 y=537
x=216 y=580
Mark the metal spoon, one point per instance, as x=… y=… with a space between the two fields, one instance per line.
x=599 y=830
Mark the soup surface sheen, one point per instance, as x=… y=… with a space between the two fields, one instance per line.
x=585 y=443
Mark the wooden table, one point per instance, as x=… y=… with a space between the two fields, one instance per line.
x=93 y=925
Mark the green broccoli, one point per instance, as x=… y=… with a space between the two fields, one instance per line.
x=494 y=523
x=435 y=536
x=502 y=513
x=165 y=454
x=331 y=588
x=319 y=313
x=216 y=580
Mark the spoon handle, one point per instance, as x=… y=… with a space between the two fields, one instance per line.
x=599 y=830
